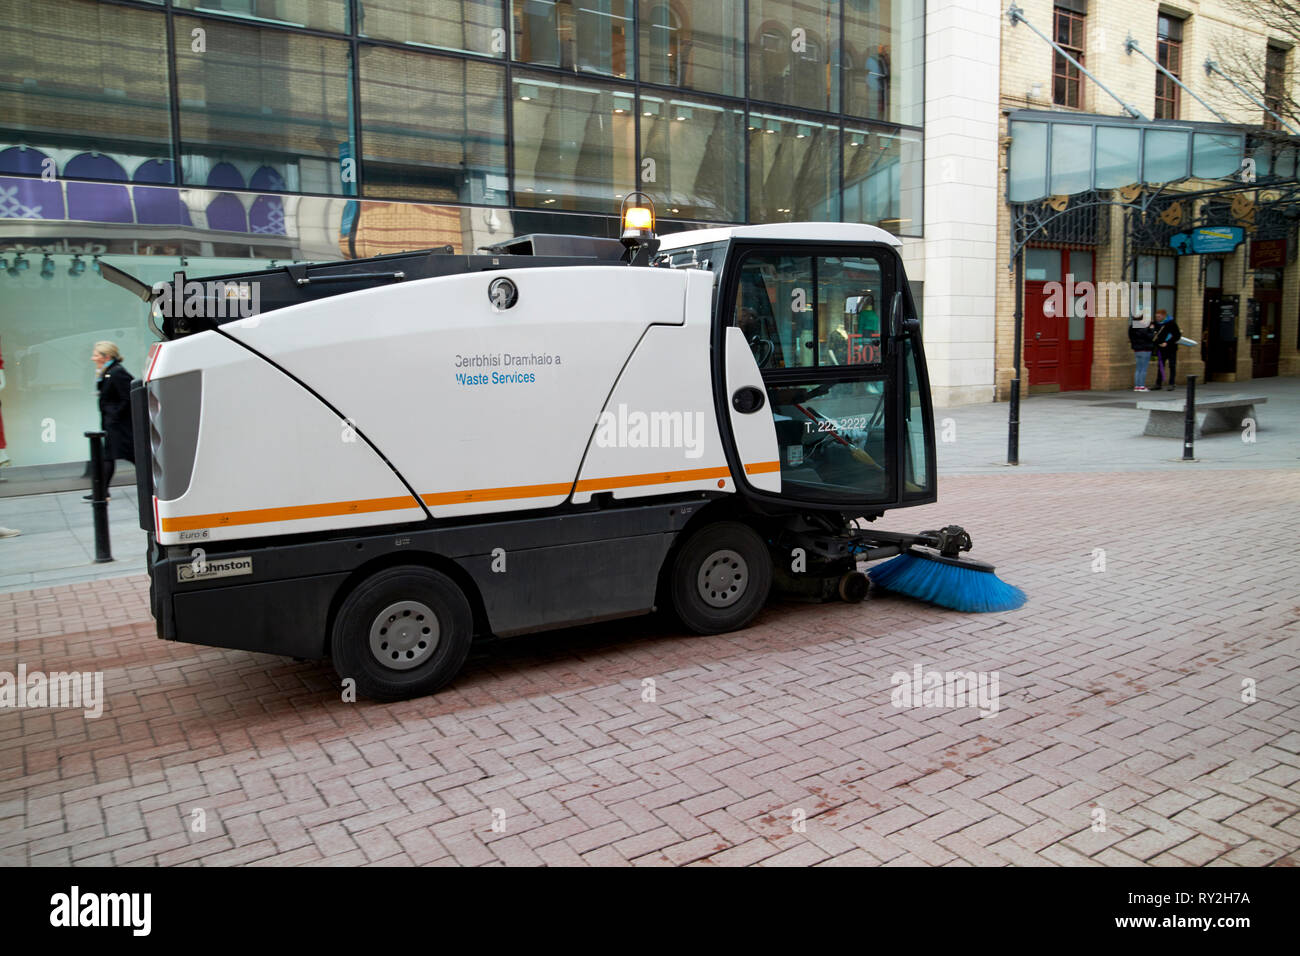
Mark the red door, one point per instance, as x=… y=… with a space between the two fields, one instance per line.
x=1059 y=319
x=1043 y=334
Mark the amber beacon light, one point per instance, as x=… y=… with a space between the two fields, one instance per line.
x=638 y=215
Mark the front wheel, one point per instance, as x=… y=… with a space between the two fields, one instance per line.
x=403 y=632
x=720 y=578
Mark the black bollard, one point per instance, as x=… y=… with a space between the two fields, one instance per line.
x=1189 y=421
x=99 y=498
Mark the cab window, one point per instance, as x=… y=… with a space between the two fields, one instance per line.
x=810 y=311
x=813 y=323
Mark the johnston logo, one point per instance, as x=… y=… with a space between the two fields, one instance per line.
x=215 y=568
x=75 y=908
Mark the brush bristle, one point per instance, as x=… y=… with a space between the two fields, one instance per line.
x=948 y=585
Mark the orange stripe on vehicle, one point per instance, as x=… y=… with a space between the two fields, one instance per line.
x=332 y=509
x=496 y=494
x=291 y=513
x=653 y=478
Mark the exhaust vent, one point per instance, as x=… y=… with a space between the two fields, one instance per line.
x=174 y=405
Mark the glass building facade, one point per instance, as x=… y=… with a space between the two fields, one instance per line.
x=217 y=136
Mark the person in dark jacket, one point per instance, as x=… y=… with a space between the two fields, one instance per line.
x=1142 y=337
x=1168 y=335
x=114 y=384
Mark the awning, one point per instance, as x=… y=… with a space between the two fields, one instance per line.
x=1061 y=154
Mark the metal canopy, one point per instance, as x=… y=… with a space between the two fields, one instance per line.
x=1061 y=154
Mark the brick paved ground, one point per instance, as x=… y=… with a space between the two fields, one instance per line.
x=1121 y=690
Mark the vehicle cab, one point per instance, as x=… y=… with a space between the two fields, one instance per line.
x=825 y=313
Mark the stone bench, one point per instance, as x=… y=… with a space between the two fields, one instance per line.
x=1214 y=413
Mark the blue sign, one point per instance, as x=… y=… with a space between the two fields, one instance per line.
x=1208 y=239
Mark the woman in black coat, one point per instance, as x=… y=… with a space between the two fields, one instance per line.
x=114 y=384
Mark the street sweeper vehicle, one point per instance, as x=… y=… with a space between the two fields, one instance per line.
x=390 y=457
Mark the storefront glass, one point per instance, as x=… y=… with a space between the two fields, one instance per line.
x=264 y=109
x=793 y=169
x=697 y=46
x=883 y=179
x=794 y=53
x=433 y=127
x=693 y=157
x=575 y=145
x=468 y=26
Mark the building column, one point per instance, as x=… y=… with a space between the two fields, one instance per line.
x=961 y=197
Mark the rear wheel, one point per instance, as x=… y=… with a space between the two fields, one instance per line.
x=720 y=578
x=403 y=632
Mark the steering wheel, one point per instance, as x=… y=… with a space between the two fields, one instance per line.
x=756 y=345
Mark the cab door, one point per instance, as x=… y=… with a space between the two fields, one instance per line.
x=815 y=321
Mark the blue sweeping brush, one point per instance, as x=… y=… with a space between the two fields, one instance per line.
x=959 y=583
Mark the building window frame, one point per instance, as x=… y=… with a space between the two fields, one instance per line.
x=1275 y=76
x=1069 y=29
x=1169 y=54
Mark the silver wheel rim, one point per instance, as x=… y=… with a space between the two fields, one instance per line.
x=723 y=578
x=404 y=635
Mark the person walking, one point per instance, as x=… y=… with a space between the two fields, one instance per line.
x=1142 y=338
x=1167 y=336
x=114 y=384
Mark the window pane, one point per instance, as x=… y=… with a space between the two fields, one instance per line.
x=1081 y=266
x=793 y=52
x=1146 y=269
x=434 y=127
x=849 y=298
x=1165 y=300
x=702 y=50
x=793 y=170
x=1078 y=323
x=317 y=14
x=473 y=26
x=81 y=76
x=1166 y=270
x=1117 y=157
x=1042 y=265
x=917 y=466
x=575 y=146
x=1027 y=162
x=586 y=36
x=1213 y=273
x=263 y=109
x=882 y=60
x=1164 y=156
x=1071 y=163
x=774 y=308
x=883 y=180
x=831 y=438
x=695 y=153
x=1216 y=156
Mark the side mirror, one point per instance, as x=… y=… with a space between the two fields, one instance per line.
x=896 y=316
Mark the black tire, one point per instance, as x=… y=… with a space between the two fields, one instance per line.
x=712 y=591
x=394 y=604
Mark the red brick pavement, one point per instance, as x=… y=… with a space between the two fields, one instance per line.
x=1120 y=690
